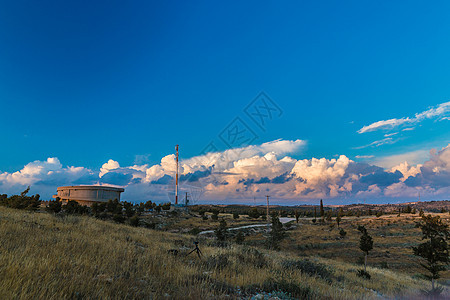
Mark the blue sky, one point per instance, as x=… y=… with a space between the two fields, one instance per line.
x=87 y=82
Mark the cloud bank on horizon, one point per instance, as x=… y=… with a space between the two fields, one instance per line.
x=238 y=175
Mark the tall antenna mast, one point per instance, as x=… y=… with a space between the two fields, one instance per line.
x=176 y=179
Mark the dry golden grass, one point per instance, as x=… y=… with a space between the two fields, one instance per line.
x=48 y=257
x=393 y=238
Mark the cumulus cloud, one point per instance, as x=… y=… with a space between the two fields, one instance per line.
x=41 y=173
x=412 y=157
x=441 y=111
x=238 y=175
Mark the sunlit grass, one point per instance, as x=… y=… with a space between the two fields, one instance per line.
x=44 y=256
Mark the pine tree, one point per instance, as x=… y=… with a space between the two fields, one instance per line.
x=276 y=234
x=322 y=211
x=365 y=243
x=297 y=215
x=338 y=219
x=435 y=250
x=222 y=231
x=239 y=237
x=314 y=220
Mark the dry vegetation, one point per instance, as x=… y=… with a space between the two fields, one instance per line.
x=80 y=257
x=393 y=238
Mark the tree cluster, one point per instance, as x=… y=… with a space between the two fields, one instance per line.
x=21 y=201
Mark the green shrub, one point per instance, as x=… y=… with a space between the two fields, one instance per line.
x=215 y=215
x=363 y=274
x=219 y=261
x=254 y=213
x=54 y=206
x=195 y=231
x=239 y=237
x=73 y=207
x=118 y=218
x=134 y=221
x=253 y=257
x=292 y=289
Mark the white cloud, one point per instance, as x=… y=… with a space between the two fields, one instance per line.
x=412 y=157
x=40 y=172
x=364 y=156
x=384 y=124
x=440 y=111
x=390 y=134
x=252 y=171
x=378 y=143
x=110 y=165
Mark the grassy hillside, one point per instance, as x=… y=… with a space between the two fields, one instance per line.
x=79 y=257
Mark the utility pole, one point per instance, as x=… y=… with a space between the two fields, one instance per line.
x=176 y=179
x=267 y=210
x=186 y=200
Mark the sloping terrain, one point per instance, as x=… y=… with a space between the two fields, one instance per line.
x=80 y=257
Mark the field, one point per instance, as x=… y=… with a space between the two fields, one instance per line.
x=80 y=257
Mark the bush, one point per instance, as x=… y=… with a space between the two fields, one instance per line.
x=252 y=257
x=363 y=274
x=292 y=289
x=219 y=261
x=54 y=206
x=342 y=233
x=134 y=221
x=73 y=207
x=166 y=206
x=235 y=215
x=118 y=218
x=114 y=206
x=204 y=217
x=239 y=237
x=254 y=213
x=150 y=225
x=195 y=231
x=215 y=215
x=309 y=267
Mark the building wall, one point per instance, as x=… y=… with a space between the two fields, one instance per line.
x=87 y=195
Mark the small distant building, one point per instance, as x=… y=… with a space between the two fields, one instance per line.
x=88 y=194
